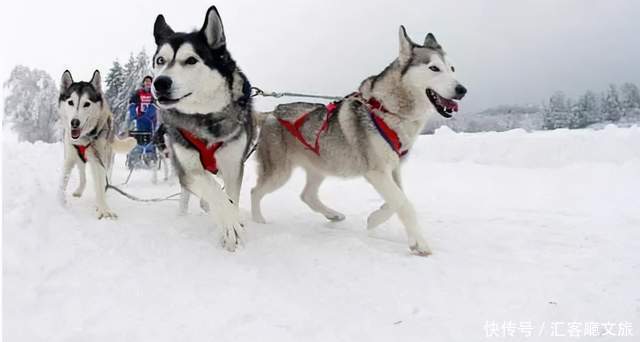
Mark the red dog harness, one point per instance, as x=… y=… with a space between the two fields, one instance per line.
x=207 y=154
x=385 y=131
x=389 y=135
x=294 y=128
x=82 y=151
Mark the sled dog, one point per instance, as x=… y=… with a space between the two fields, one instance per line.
x=88 y=137
x=205 y=102
x=368 y=134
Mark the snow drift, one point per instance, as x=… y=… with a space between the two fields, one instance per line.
x=535 y=227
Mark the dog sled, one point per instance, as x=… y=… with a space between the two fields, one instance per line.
x=146 y=155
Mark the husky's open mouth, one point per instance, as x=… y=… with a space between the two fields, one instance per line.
x=164 y=100
x=443 y=105
x=75 y=133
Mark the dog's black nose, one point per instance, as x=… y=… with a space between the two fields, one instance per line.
x=461 y=90
x=162 y=84
x=75 y=123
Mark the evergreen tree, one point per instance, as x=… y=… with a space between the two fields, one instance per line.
x=578 y=117
x=114 y=80
x=557 y=115
x=629 y=97
x=611 y=107
x=588 y=105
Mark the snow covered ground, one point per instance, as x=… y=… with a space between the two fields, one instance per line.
x=528 y=229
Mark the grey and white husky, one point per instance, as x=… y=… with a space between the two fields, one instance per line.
x=205 y=103
x=88 y=137
x=366 y=134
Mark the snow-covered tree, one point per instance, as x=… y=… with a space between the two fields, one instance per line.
x=577 y=117
x=629 y=97
x=558 y=102
x=115 y=80
x=31 y=105
x=588 y=106
x=611 y=107
x=557 y=113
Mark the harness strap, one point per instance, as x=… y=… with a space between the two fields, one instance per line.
x=375 y=104
x=82 y=151
x=207 y=154
x=294 y=128
x=389 y=135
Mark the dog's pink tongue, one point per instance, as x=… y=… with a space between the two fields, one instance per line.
x=450 y=104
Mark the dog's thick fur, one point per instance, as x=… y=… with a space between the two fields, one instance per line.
x=201 y=90
x=88 y=121
x=352 y=146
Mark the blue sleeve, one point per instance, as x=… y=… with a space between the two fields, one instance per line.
x=132 y=111
x=133 y=105
x=134 y=98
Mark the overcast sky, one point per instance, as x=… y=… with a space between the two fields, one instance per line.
x=505 y=52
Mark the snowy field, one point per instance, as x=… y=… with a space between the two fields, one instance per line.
x=528 y=228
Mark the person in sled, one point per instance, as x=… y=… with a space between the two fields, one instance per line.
x=142 y=110
x=141 y=124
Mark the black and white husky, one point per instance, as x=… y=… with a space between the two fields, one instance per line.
x=206 y=106
x=88 y=137
x=367 y=134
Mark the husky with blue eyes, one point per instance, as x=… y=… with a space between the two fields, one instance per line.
x=88 y=137
x=206 y=107
x=367 y=134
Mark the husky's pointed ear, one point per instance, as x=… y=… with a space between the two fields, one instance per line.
x=96 y=81
x=161 y=30
x=66 y=81
x=212 y=29
x=431 y=42
x=406 y=45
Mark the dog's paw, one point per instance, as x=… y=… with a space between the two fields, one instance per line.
x=335 y=217
x=258 y=218
x=105 y=213
x=420 y=249
x=232 y=236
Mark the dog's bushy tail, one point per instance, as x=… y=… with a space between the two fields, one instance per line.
x=123 y=145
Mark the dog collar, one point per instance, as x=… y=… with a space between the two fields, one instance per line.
x=96 y=132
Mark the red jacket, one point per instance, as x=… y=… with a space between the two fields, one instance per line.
x=142 y=99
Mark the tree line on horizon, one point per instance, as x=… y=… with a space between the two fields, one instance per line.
x=612 y=105
x=30 y=106
x=619 y=105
